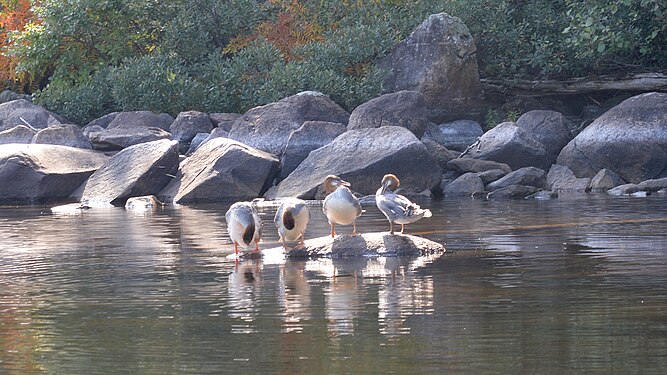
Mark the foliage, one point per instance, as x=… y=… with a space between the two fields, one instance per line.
x=15 y=15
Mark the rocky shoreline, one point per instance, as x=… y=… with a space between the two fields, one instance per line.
x=287 y=148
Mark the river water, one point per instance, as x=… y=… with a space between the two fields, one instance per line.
x=572 y=285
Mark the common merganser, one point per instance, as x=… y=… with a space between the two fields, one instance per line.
x=244 y=225
x=291 y=220
x=340 y=206
x=397 y=208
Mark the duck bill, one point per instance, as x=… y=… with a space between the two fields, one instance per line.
x=385 y=186
x=344 y=183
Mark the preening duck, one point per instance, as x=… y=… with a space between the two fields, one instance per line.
x=397 y=208
x=291 y=220
x=340 y=206
x=244 y=225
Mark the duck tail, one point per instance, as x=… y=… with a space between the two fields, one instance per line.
x=288 y=220
x=249 y=233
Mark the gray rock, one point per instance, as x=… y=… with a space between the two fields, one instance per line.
x=441 y=153
x=362 y=157
x=44 y=173
x=224 y=121
x=465 y=165
x=142 y=169
x=310 y=136
x=625 y=189
x=17 y=134
x=187 y=125
x=549 y=128
x=561 y=178
x=64 y=135
x=529 y=176
x=119 y=138
x=512 y=145
x=491 y=175
x=439 y=60
x=543 y=195
x=468 y=184
x=269 y=127
x=196 y=142
x=406 y=109
x=9 y=95
x=456 y=135
x=513 y=192
x=23 y=112
x=629 y=139
x=364 y=245
x=103 y=121
x=605 y=180
x=653 y=185
x=222 y=170
x=92 y=131
x=140 y=119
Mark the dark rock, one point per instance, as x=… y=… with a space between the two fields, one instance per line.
x=653 y=185
x=404 y=108
x=17 y=134
x=310 y=136
x=23 y=112
x=512 y=145
x=142 y=169
x=624 y=189
x=269 y=127
x=9 y=95
x=224 y=121
x=187 y=125
x=513 y=192
x=362 y=157
x=44 y=173
x=222 y=170
x=456 y=135
x=465 y=165
x=529 y=176
x=441 y=153
x=561 y=178
x=365 y=245
x=121 y=137
x=549 y=128
x=196 y=142
x=467 y=184
x=491 y=175
x=64 y=135
x=630 y=139
x=605 y=180
x=543 y=195
x=103 y=121
x=141 y=119
x=439 y=60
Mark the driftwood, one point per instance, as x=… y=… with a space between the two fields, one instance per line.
x=637 y=82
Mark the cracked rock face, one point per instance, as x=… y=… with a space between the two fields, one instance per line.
x=629 y=140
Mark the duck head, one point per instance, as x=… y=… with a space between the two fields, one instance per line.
x=390 y=182
x=331 y=183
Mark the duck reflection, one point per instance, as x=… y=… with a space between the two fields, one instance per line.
x=245 y=289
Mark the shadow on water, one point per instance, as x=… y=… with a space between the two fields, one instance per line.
x=571 y=285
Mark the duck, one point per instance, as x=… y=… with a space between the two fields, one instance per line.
x=397 y=208
x=244 y=225
x=340 y=206
x=291 y=220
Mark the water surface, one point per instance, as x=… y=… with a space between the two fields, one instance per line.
x=573 y=285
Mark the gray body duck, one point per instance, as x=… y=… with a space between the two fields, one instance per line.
x=397 y=208
x=244 y=225
x=340 y=206
x=292 y=219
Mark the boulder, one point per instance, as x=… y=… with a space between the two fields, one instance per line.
x=653 y=185
x=103 y=121
x=550 y=128
x=365 y=245
x=467 y=184
x=64 y=135
x=196 y=142
x=439 y=60
x=512 y=145
x=630 y=139
x=140 y=119
x=142 y=169
x=362 y=157
x=44 y=173
x=9 y=95
x=23 y=112
x=456 y=135
x=441 y=153
x=605 y=180
x=529 y=176
x=491 y=175
x=310 y=136
x=91 y=131
x=561 y=178
x=269 y=127
x=404 y=108
x=222 y=170
x=625 y=189
x=513 y=192
x=224 y=121
x=119 y=138
x=17 y=134
x=187 y=125
x=465 y=165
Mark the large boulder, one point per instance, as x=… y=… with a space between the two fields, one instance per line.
x=550 y=128
x=529 y=176
x=439 y=60
x=23 y=112
x=140 y=119
x=142 y=169
x=187 y=125
x=222 y=170
x=310 y=136
x=122 y=137
x=468 y=184
x=362 y=157
x=9 y=95
x=404 y=108
x=465 y=165
x=64 y=135
x=456 y=135
x=17 y=134
x=44 y=173
x=512 y=145
x=365 y=245
x=605 y=180
x=561 y=178
x=630 y=140
x=269 y=127
x=224 y=121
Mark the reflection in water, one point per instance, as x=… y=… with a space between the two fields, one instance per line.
x=564 y=286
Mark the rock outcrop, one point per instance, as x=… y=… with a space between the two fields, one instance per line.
x=310 y=136
x=406 y=109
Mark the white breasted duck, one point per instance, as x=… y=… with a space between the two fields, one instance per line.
x=340 y=206
x=244 y=225
x=397 y=208
x=291 y=220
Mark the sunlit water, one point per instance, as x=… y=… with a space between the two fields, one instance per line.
x=573 y=285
